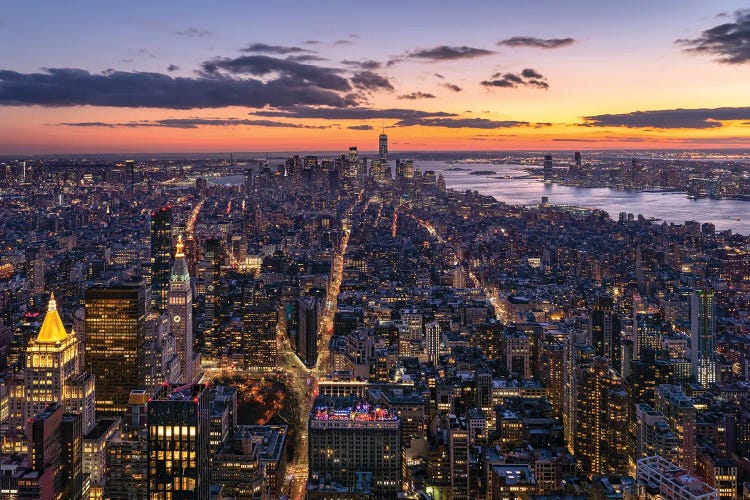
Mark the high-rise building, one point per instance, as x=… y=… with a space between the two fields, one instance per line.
x=178 y=438
x=54 y=444
x=383 y=148
x=577 y=158
x=258 y=345
x=52 y=373
x=653 y=435
x=353 y=155
x=680 y=414
x=601 y=443
x=346 y=439
x=127 y=453
x=703 y=336
x=130 y=174
x=547 y=169
x=115 y=342
x=310 y=309
x=180 y=309
x=604 y=329
x=209 y=273
x=161 y=255
x=432 y=334
x=647 y=321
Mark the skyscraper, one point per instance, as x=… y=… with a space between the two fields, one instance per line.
x=115 y=341
x=130 y=174
x=52 y=373
x=161 y=255
x=547 y=170
x=180 y=308
x=647 y=320
x=178 y=438
x=307 y=338
x=703 y=336
x=605 y=331
x=259 y=337
x=383 y=148
x=348 y=439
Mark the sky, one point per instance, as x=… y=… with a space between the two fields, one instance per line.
x=189 y=76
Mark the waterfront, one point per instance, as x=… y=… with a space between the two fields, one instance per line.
x=521 y=189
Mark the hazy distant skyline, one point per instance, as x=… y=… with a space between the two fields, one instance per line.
x=247 y=76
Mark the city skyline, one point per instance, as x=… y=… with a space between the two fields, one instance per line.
x=501 y=76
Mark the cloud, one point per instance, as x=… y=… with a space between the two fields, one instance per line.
x=274 y=49
x=358 y=113
x=360 y=127
x=447 y=53
x=528 y=77
x=367 y=80
x=417 y=95
x=194 y=33
x=259 y=65
x=729 y=41
x=172 y=67
x=311 y=42
x=343 y=42
x=305 y=58
x=480 y=123
x=451 y=86
x=195 y=123
x=701 y=118
x=58 y=87
x=539 y=43
x=438 y=75
x=366 y=64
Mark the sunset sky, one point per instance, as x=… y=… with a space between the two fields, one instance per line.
x=78 y=77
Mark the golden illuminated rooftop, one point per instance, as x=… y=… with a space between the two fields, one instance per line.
x=52 y=330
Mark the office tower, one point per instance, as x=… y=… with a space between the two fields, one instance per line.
x=54 y=444
x=52 y=373
x=35 y=269
x=577 y=356
x=653 y=435
x=547 y=169
x=680 y=414
x=404 y=169
x=248 y=178
x=647 y=321
x=310 y=309
x=604 y=330
x=130 y=174
x=659 y=478
x=258 y=342
x=432 y=333
x=601 y=443
x=517 y=354
x=115 y=342
x=209 y=273
x=383 y=148
x=458 y=443
x=180 y=309
x=577 y=158
x=127 y=453
x=345 y=439
x=553 y=375
x=703 y=336
x=178 y=437
x=353 y=155
x=161 y=256
x=95 y=445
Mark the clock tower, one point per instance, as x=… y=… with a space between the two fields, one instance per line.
x=180 y=310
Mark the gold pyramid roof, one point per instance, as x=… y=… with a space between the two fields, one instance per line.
x=52 y=330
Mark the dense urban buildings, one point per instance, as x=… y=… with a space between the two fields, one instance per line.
x=328 y=327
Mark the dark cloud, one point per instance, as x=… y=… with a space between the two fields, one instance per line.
x=367 y=80
x=305 y=58
x=77 y=87
x=195 y=123
x=438 y=75
x=451 y=86
x=480 y=123
x=729 y=41
x=274 y=49
x=446 y=53
x=311 y=42
x=172 y=67
x=366 y=64
x=360 y=127
x=194 y=33
x=528 y=77
x=343 y=42
x=417 y=95
x=259 y=65
x=539 y=43
x=702 y=118
x=89 y=124
x=358 y=113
